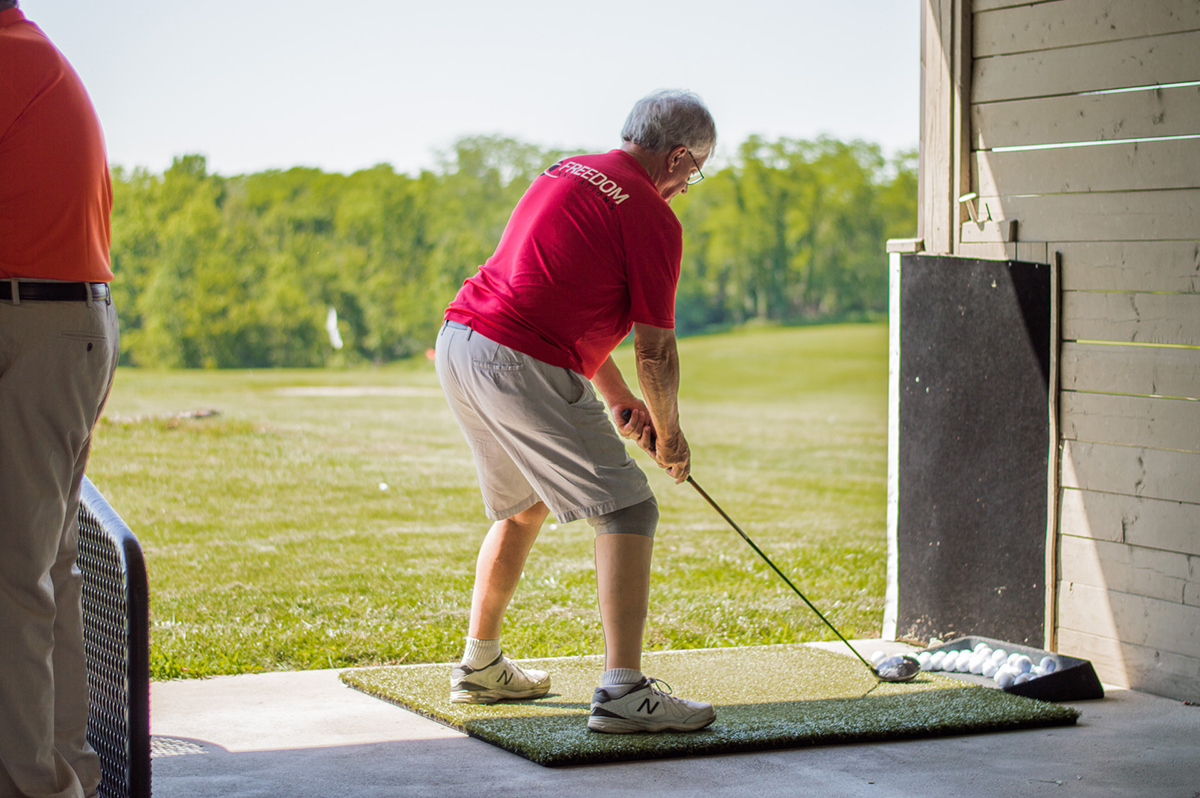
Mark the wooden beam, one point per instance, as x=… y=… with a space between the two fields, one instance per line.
x=1171 y=214
x=1156 y=574
x=960 y=176
x=991 y=5
x=1131 y=266
x=1132 y=318
x=943 y=170
x=1149 y=523
x=990 y=232
x=1150 y=473
x=1174 y=58
x=1103 y=167
x=1137 y=370
x=1139 y=620
x=990 y=250
x=936 y=151
x=1069 y=23
x=1150 y=670
x=1088 y=117
x=1131 y=421
x=1053 y=469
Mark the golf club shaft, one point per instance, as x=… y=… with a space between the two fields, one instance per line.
x=782 y=575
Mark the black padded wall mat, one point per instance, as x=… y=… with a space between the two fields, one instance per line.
x=974 y=446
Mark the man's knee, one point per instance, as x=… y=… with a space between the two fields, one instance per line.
x=640 y=519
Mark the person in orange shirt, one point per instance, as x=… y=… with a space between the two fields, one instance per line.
x=58 y=353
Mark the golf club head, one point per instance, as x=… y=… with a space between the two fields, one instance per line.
x=900 y=668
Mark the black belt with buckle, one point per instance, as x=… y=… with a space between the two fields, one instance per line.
x=53 y=292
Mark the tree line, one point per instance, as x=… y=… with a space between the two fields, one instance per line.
x=223 y=272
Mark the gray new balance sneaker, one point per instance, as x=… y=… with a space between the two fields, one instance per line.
x=643 y=707
x=500 y=680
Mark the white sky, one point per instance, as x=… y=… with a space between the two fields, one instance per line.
x=260 y=84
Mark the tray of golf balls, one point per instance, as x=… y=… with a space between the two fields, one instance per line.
x=1014 y=668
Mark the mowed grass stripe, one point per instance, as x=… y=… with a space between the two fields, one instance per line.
x=271 y=546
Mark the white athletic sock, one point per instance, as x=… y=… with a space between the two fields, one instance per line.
x=480 y=653
x=615 y=677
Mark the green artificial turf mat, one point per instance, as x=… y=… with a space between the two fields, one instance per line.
x=766 y=697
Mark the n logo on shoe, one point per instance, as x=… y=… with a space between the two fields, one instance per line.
x=645 y=705
x=505 y=677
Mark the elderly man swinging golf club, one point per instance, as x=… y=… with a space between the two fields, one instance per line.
x=592 y=251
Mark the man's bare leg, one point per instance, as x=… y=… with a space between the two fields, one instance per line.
x=484 y=676
x=623 y=581
x=498 y=569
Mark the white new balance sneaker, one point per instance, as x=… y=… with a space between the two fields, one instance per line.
x=500 y=680
x=643 y=707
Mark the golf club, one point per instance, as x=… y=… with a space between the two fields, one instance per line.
x=900 y=668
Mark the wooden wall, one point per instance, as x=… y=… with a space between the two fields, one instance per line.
x=1121 y=205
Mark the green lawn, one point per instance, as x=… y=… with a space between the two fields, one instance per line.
x=271 y=545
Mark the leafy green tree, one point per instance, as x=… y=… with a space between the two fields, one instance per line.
x=241 y=271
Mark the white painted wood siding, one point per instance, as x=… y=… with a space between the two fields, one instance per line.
x=1121 y=204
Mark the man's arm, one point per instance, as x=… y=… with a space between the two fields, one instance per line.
x=658 y=376
x=621 y=401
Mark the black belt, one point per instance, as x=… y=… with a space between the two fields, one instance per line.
x=53 y=292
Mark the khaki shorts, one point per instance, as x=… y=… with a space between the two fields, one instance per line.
x=537 y=431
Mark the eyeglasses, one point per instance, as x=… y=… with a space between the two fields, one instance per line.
x=695 y=178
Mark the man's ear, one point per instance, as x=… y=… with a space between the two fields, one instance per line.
x=676 y=157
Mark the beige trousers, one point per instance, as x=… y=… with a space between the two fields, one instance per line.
x=56 y=367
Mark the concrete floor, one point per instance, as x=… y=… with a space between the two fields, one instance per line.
x=304 y=733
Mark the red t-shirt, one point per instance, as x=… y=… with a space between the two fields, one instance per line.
x=55 y=193
x=590 y=249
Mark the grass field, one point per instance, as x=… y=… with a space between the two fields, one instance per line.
x=271 y=545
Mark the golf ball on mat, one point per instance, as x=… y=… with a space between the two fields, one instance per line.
x=1005 y=678
x=979 y=646
x=1048 y=665
x=999 y=656
x=935 y=662
x=963 y=665
x=1022 y=678
x=1023 y=664
x=925 y=658
x=989 y=669
x=975 y=664
x=877 y=658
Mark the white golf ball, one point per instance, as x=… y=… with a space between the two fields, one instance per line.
x=1036 y=672
x=383 y=486
x=1023 y=664
x=975 y=665
x=990 y=668
x=1013 y=657
x=1022 y=678
x=963 y=664
x=979 y=646
x=1005 y=678
x=878 y=657
x=999 y=656
x=1048 y=664
x=925 y=659
x=935 y=662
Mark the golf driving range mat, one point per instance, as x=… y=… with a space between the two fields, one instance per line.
x=766 y=698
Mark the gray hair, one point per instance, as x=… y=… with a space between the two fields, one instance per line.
x=668 y=118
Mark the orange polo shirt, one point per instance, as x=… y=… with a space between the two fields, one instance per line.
x=55 y=191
